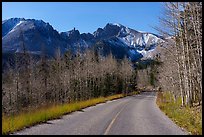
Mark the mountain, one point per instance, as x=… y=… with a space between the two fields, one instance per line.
x=139 y=44
x=37 y=36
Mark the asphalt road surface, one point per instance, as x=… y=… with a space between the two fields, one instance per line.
x=132 y=115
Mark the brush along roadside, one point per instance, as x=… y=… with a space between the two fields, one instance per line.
x=22 y=120
x=189 y=118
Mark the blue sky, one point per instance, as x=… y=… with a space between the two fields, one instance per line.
x=87 y=16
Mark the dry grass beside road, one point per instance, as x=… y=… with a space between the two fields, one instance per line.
x=189 y=118
x=14 y=123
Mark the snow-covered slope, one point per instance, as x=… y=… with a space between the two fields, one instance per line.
x=10 y=24
x=35 y=34
x=139 y=42
x=114 y=37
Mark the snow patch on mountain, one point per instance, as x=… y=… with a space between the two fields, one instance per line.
x=146 y=54
x=116 y=24
x=14 y=28
x=141 y=31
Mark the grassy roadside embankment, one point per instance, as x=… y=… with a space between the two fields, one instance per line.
x=189 y=118
x=14 y=123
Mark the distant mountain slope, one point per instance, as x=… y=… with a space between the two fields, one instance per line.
x=37 y=36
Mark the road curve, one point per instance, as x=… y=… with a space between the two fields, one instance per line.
x=132 y=115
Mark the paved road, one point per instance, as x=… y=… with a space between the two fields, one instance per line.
x=133 y=115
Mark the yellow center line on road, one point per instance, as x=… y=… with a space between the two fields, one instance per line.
x=113 y=120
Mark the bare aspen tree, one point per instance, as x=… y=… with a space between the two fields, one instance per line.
x=181 y=19
x=63 y=79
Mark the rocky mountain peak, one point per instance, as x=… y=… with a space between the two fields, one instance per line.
x=117 y=38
